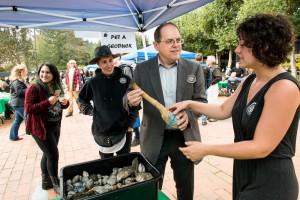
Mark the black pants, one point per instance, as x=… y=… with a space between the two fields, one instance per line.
x=49 y=161
x=183 y=168
x=126 y=148
x=8 y=110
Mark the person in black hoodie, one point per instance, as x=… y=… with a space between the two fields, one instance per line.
x=112 y=125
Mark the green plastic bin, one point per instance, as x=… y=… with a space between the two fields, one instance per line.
x=147 y=190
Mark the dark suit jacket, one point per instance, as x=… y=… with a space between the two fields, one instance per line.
x=190 y=86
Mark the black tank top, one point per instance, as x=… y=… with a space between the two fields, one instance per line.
x=245 y=117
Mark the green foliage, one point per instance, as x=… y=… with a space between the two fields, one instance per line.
x=211 y=27
x=15 y=47
x=139 y=41
x=59 y=47
x=252 y=7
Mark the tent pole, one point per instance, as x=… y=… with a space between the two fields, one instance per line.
x=144 y=45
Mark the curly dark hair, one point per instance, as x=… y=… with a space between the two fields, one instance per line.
x=271 y=37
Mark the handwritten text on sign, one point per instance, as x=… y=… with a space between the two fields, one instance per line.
x=119 y=42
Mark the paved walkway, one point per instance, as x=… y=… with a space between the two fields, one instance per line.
x=19 y=161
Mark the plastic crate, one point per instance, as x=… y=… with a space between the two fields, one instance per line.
x=147 y=190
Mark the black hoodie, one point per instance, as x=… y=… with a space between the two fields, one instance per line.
x=109 y=116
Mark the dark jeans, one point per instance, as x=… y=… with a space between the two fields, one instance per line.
x=137 y=132
x=19 y=118
x=183 y=168
x=49 y=161
x=126 y=148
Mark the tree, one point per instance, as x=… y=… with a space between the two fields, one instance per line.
x=288 y=7
x=139 y=40
x=59 y=47
x=15 y=47
x=211 y=29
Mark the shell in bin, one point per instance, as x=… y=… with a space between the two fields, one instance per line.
x=128 y=176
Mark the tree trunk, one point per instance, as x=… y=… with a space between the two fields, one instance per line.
x=217 y=58
x=229 y=58
x=292 y=62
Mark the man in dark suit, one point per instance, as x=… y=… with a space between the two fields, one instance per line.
x=168 y=79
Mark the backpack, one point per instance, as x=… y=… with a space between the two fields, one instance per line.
x=126 y=69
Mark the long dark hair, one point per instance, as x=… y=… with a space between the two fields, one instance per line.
x=53 y=69
x=56 y=78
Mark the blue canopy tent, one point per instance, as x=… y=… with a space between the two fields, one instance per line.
x=91 y=67
x=92 y=15
x=139 y=55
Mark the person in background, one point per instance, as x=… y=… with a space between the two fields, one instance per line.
x=73 y=82
x=8 y=109
x=112 y=124
x=213 y=90
x=17 y=95
x=44 y=115
x=207 y=77
x=239 y=72
x=136 y=130
x=168 y=79
x=227 y=72
x=128 y=70
x=265 y=113
x=6 y=79
x=4 y=87
x=82 y=76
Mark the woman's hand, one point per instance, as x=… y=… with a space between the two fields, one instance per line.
x=177 y=107
x=53 y=99
x=193 y=150
x=64 y=102
x=135 y=97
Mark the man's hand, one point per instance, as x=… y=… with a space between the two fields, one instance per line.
x=134 y=97
x=182 y=120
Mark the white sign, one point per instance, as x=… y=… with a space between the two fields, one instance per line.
x=119 y=42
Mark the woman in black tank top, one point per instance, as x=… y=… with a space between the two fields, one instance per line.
x=265 y=114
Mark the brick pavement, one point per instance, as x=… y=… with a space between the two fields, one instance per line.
x=19 y=161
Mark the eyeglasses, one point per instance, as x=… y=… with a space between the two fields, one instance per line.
x=171 y=42
x=72 y=63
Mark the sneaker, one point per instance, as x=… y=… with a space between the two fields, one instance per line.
x=212 y=120
x=135 y=142
x=69 y=114
x=18 y=139
x=204 y=123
